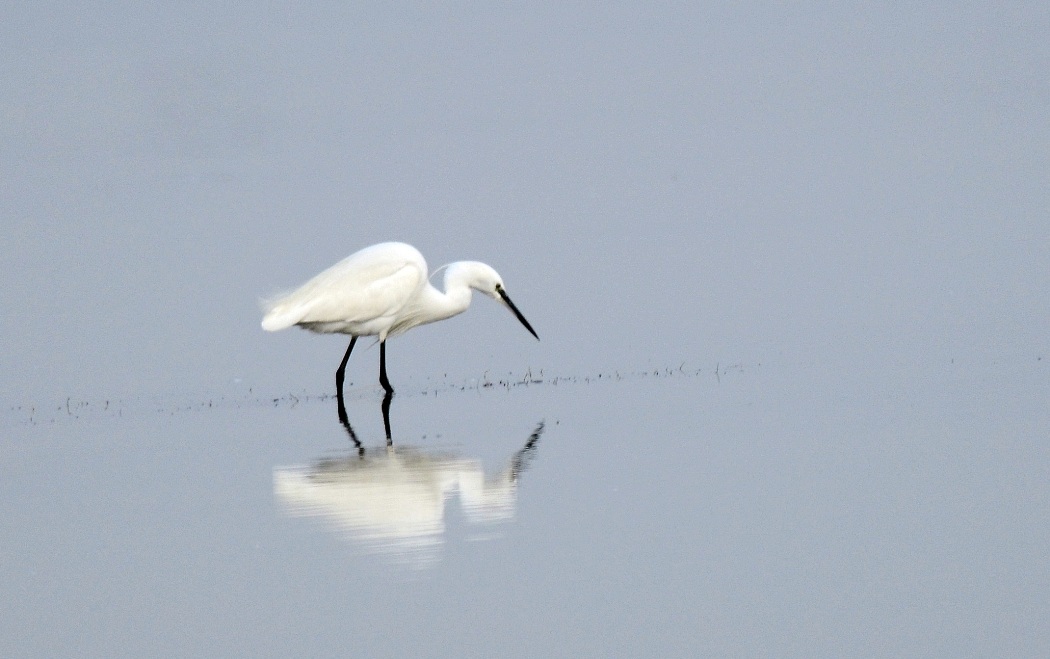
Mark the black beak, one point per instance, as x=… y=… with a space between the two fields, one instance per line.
x=510 y=305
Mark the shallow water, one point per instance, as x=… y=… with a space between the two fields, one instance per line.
x=756 y=511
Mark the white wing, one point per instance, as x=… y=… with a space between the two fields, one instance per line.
x=367 y=287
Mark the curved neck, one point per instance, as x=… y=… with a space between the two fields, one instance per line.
x=441 y=305
x=438 y=305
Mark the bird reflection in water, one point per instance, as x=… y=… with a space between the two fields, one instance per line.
x=391 y=500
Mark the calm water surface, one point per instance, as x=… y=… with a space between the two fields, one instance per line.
x=762 y=510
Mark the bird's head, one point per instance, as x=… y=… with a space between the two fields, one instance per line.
x=484 y=279
x=481 y=277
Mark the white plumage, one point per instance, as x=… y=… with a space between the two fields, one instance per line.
x=382 y=291
x=361 y=295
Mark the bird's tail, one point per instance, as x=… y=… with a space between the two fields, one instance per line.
x=281 y=314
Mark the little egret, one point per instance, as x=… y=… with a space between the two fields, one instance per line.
x=383 y=291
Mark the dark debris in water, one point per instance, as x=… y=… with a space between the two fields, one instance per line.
x=72 y=410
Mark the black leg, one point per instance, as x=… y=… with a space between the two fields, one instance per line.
x=339 y=382
x=343 y=418
x=342 y=367
x=386 y=416
x=382 y=368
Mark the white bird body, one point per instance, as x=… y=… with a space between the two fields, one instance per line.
x=383 y=291
x=361 y=295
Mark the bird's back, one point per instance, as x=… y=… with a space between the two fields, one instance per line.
x=360 y=295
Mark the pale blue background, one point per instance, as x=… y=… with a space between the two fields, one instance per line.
x=841 y=208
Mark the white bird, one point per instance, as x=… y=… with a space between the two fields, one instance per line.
x=383 y=291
